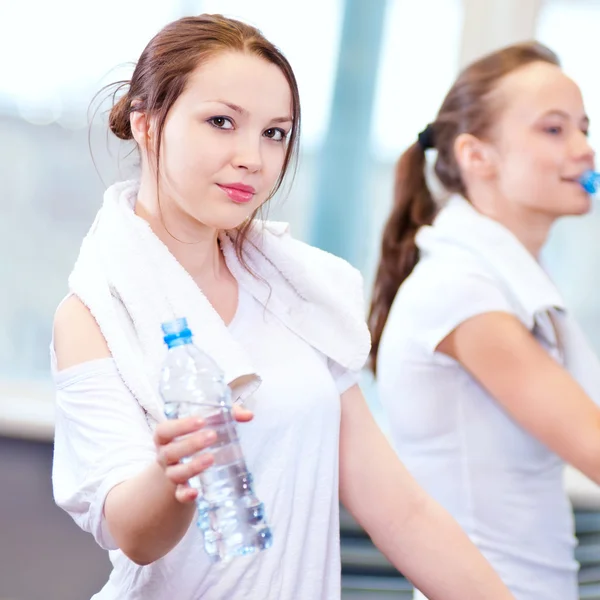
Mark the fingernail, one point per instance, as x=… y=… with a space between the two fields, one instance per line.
x=211 y=436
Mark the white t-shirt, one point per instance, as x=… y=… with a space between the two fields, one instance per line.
x=291 y=448
x=503 y=486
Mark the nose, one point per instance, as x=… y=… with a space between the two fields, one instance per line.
x=583 y=151
x=248 y=153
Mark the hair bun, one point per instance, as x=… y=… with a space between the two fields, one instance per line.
x=118 y=120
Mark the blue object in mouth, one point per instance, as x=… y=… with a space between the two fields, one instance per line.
x=590 y=181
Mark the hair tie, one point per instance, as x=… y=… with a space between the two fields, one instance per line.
x=426 y=138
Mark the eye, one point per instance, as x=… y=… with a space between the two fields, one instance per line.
x=276 y=134
x=554 y=130
x=221 y=122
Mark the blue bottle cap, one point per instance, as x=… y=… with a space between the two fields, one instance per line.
x=589 y=181
x=176 y=332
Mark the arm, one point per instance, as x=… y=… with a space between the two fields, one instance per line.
x=409 y=527
x=537 y=392
x=144 y=515
x=147 y=514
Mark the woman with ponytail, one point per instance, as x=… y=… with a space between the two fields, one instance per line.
x=489 y=385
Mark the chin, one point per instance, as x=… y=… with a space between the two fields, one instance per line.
x=224 y=218
x=582 y=206
x=570 y=202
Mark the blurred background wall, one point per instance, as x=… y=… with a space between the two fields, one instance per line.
x=372 y=74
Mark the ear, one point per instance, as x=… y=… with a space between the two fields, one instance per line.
x=142 y=129
x=474 y=156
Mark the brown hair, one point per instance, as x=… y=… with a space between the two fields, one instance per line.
x=163 y=69
x=467 y=108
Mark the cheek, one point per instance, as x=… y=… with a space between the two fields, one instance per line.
x=274 y=158
x=530 y=165
x=189 y=159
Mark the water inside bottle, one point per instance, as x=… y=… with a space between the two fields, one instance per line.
x=230 y=515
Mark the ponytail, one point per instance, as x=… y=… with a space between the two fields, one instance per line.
x=413 y=207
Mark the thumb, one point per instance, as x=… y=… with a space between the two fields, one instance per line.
x=242 y=414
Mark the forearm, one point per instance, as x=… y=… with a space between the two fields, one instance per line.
x=422 y=540
x=416 y=534
x=437 y=556
x=144 y=517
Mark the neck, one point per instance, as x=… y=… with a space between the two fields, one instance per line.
x=530 y=227
x=194 y=245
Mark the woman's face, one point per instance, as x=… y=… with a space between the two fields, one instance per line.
x=540 y=144
x=224 y=142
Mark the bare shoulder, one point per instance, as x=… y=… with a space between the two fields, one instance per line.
x=77 y=336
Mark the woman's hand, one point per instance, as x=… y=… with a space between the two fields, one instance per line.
x=188 y=437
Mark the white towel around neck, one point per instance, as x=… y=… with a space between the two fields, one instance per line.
x=123 y=264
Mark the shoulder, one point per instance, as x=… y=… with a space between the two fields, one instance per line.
x=77 y=336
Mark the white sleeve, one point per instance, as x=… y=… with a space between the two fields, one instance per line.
x=344 y=378
x=449 y=301
x=102 y=438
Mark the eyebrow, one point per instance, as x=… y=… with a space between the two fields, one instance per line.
x=564 y=115
x=243 y=111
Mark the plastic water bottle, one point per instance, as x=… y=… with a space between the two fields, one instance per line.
x=590 y=181
x=230 y=516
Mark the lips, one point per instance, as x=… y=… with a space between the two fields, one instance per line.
x=239 y=193
x=578 y=176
